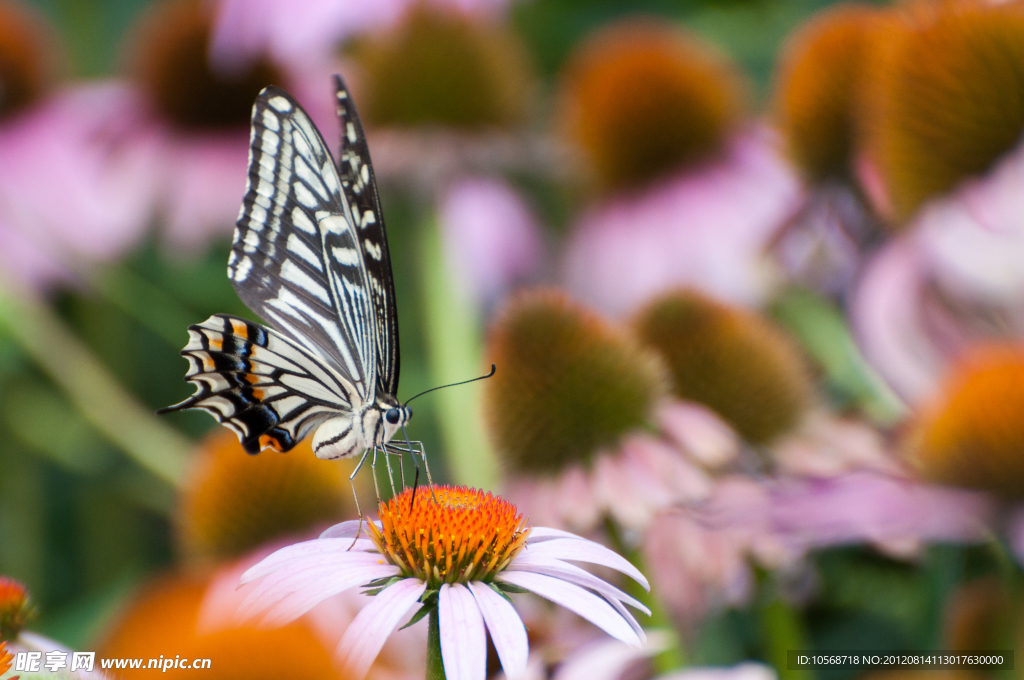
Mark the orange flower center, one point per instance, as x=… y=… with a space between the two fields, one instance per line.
x=449 y=535
x=6 y=658
x=14 y=608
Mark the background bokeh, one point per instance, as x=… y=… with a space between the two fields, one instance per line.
x=751 y=271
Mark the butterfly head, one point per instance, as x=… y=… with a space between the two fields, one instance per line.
x=395 y=417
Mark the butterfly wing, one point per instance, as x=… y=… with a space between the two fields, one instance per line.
x=360 y=189
x=267 y=388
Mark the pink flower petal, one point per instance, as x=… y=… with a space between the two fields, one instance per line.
x=373 y=624
x=463 y=643
x=573 y=574
x=585 y=551
x=538 y=534
x=576 y=599
x=507 y=630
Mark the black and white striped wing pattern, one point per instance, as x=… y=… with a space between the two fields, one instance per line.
x=361 y=191
x=310 y=257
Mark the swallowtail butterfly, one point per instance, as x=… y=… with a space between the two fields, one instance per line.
x=310 y=257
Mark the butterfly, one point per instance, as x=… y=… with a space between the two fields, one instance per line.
x=309 y=257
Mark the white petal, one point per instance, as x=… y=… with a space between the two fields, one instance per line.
x=573 y=574
x=279 y=558
x=575 y=550
x=507 y=630
x=347 y=529
x=301 y=601
x=371 y=627
x=576 y=599
x=297 y=574
x=538 y=534
x=463 y=643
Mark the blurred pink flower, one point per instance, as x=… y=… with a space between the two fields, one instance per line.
x=643 y=476
x=296 y=33
x=708 y=228
x=956 y=278
x=77 y=182
x=490 y=236
x=747 y=670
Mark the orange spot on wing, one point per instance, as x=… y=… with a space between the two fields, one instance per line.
x=269 y=441
x=239 y=328
x=216 y=344
x=251 y=378
x=258 y=393
x=208 y=364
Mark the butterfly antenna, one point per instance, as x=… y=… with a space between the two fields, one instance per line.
x=464 y=382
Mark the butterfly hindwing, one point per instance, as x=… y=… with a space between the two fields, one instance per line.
x=360 y=189
x=296 y=257
x=261 y=384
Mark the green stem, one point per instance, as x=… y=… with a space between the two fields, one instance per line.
x=435 y=665
x=101 y=400
x=454 y=349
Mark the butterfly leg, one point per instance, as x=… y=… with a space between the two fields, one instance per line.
x=355 y=496
x=423 y=454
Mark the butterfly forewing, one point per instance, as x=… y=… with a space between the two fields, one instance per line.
x=295 y=258
x=357 y=178
x=310 y=257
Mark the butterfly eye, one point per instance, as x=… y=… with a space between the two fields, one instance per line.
x=392 y=416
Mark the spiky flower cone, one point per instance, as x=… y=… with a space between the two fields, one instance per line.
x=234 y=502
x=568 y=383
x=441 y=67
x=946 y=96
x=972 y=434
x=170 y=60
x=818 y=89
x=643 y=99
x=731 y=360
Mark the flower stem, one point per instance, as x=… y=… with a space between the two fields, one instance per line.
x=435 y=665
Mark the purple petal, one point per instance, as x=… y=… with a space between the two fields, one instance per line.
x=573 y=574
x=371 y=627
x=576 y=599
x=585 y=551
x=507 y=630
x=463 y=643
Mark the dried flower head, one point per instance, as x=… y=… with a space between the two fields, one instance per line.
x=819 y=83
x=945 y=98
x=27 y=60
x=972 y=433
x=170 y=58
x=731 y=360
x=440 y=66
x=569 y=383
x=643 y=99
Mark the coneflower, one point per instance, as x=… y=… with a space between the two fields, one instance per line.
x=233 y=502
x=945 y=96
x=818 y=89
x=643 y=99
x=733 y=361
x=570 y=383
x=441 y=67
x=972 y=432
